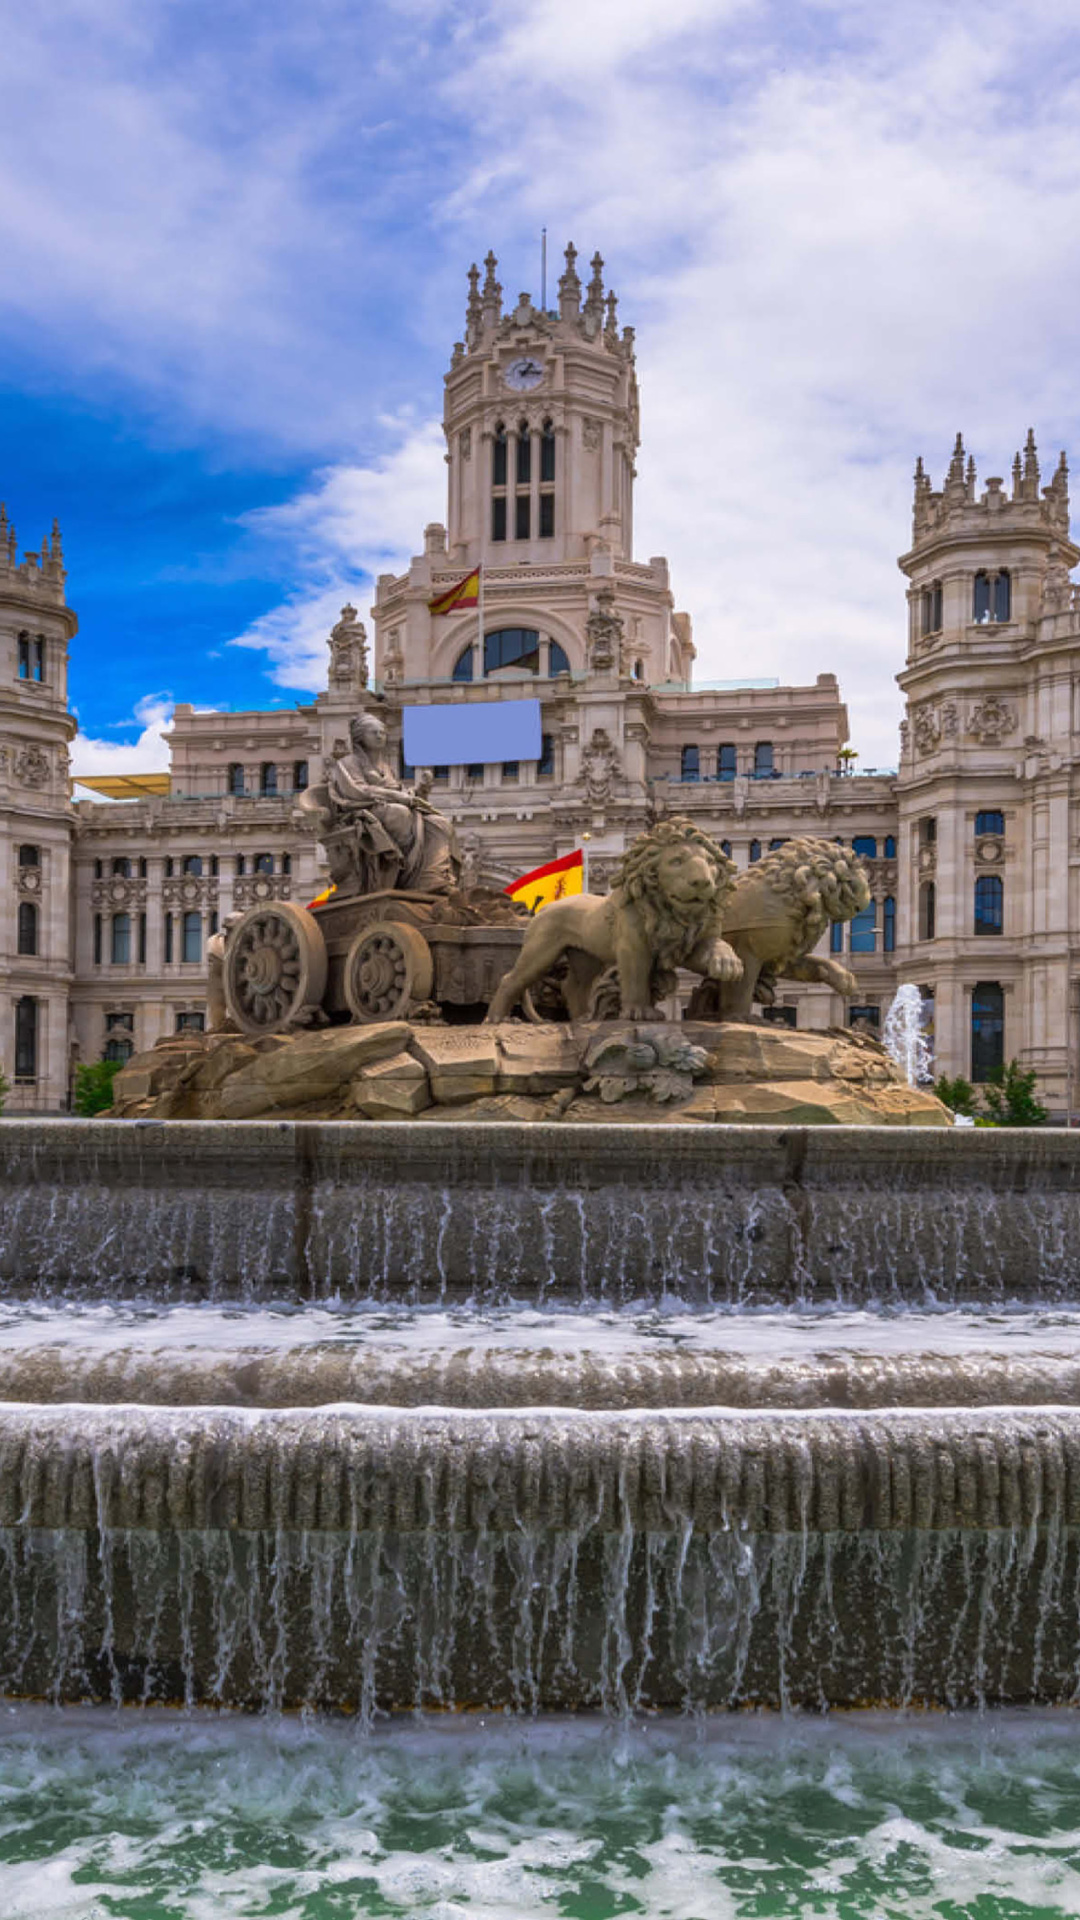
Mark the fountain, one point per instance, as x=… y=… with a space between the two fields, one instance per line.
x=905 y=1036
x=533 y=1412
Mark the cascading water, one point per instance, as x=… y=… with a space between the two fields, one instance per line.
x=510 y=1430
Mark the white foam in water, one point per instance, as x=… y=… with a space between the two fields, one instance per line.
x=771 y=1335
x=872 y=1818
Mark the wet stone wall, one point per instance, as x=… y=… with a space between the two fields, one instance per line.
x=449 y=1211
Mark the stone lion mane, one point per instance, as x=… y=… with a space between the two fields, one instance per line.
x=819 y=881
x=673 y=930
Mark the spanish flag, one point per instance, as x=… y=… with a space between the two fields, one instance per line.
x=554 y=882
x=321 y=897
x=465 y=594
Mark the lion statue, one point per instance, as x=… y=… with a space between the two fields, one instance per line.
x=778 y=912
x=669 y=896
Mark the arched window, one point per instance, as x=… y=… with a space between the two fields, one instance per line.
x=193 y=864
x=268 y=777
x=763 y=760
x=836 y=936
x=781 y=842
x=755 y=850
x=28 y=927
x=890 y=846
x=980 y=600
x=726 y=762
x=286 y=863
x=927 y=910
x=263 y=863
x=864 y=930
x=987 y=1029
x=557 y=660
x=639 y=669
x=192 y=938
x=120 y=954
x=121 y=867
x=236 y=777
x=29 y=856
x=725 y=847
x=24 y=656
x=512 y=647
x=463 y=665
x=26 y=1038
x=240 y=864
x=39 y=657
x=498 y=456
x=866 y=845
x=990 y=821
x=989 y=903
x=690 y=764
x=1002 y=596
x=215 y=866
x=888 y=942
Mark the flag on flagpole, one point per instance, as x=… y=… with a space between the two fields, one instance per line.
x=465 y=594
x=321 y=897
x=555 y=881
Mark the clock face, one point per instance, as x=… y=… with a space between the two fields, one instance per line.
x=524 y=374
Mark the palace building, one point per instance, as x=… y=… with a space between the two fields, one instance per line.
x=972 y=844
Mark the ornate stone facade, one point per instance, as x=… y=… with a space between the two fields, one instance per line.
x=542 y=420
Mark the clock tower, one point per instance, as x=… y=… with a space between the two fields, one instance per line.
x=541 y=419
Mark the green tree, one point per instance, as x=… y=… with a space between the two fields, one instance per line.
x=1009 y=1093
x=94 y=1086
x=958 y=1095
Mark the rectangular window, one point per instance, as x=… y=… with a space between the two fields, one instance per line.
x=168 y=939
x=39 y=658
x=26 y=1038
x=524 y=459
x=97 y=939
x=547 y=516
x=546 y=762
x=547 y=458
x=440 y=775
x=498 y=518
x=474 y=770
x=690 y=764
x=24 y=656
x=510 y=772
x=498 y=459
x=121 y=939
x=214 y=921
x=521 y=517
x=142 y=939
x=268 y=778
x=864 y=1017
x=190 y=1023
x=863 y=930
x=990 y=821
x=192 y=938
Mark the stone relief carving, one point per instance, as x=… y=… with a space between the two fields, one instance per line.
x=1056 y=585
x=252 y=888
x=32 y=767
x=116 y=892
x=348 y=653
x=604 y=633
x=991 y=719
x=926 y=727
x=189 y=891
x=599 y=766
x=592 y=433
x=465 y=443
x=28 y=880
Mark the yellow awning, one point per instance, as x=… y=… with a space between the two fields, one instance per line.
x=124 y=786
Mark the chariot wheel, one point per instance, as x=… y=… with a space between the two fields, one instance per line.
x=274 y=967
x=388 y=969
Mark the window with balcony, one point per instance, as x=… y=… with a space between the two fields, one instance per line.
x=192 y=865
x=300 y=776
x=727 y=762
x=690 y=764
x=764 y=766
x=268 y=783
x=236 y=778
x=263 y=863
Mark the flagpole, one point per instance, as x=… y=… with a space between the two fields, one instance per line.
x=480 y=618
x=585 y=838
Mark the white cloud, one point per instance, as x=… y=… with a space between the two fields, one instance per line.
x=350 y=525
x=148 y=753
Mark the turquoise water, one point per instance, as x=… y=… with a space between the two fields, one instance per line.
x=860 y=1818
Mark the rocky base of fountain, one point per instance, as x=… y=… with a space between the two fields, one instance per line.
x=687 y=1074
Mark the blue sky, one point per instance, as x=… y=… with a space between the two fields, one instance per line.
x=235 y=239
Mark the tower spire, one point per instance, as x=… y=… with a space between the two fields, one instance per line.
x=570 y=287
x=474 y=312
x=1030 y=489
x=594 y=296
x=492 y=299
x=954 y=480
